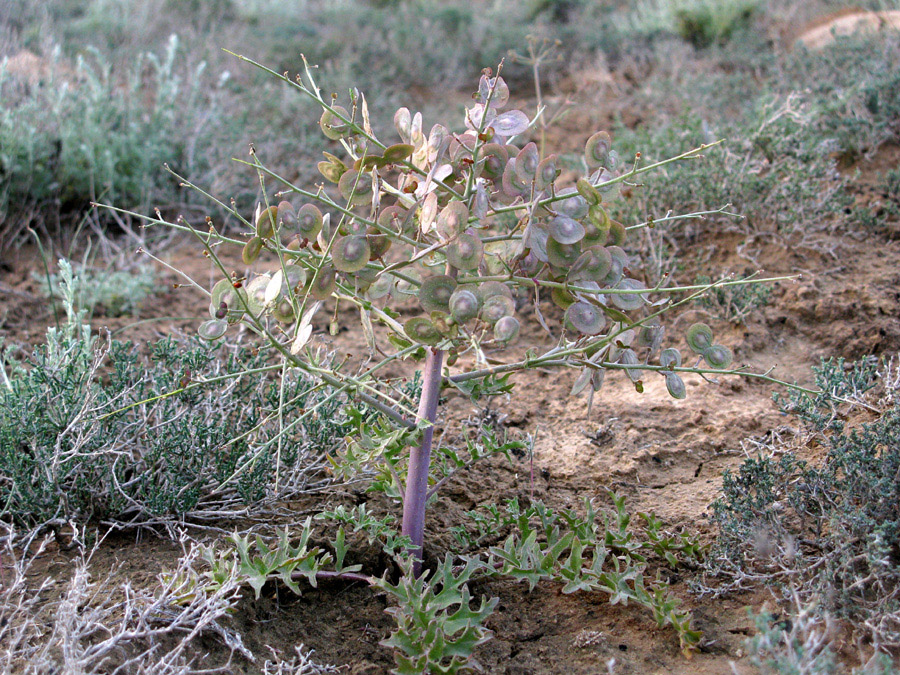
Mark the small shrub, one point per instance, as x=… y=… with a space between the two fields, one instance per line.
x=733 y=303
x=115 y=293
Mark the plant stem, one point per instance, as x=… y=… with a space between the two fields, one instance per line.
x=420 y=458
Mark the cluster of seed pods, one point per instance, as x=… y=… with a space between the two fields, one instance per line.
x=470 y=218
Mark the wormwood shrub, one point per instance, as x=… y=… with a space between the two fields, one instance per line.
x=95 y=431
x=116 y=292
x=829 y=531
x=458 y=230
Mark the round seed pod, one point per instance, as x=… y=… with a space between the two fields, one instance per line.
x=592 y=265
x=496 y=307
x=309 y=221
x=356 y=187
x=283 y=311
x=331 y=125
x=618 y=261
x=675 y=385
x=650 y=338
x=631 y=300
x=596 y=150
x=466 y=252
x=629 y=358
x=506 y=329
x=527 y=163
x=530 y=265
x=251 y=250
x=547 y=173
x=362 y=279
x=324 y=283
x=435 y=292
x=495 y=157
x=562 y=255
x=670 y=358
x=225 y=292
x=616 y=236
x=585 y=318
x=212 y=329
x=287 y=214
x=561 y=297
x=453 y=219
x=699 y=338
x=718 y=356
x=398 y=152
x=537 y=242
x=513 y=186
x=566 y=230
x=464 y=305
x=394 y=219
x=256 y=293
x=352 y=227
x=421 y=330
x=491 y=288
x=593 y=235
x=266 y=222
x=350 y=254
x=379 y=243
x=574 y=205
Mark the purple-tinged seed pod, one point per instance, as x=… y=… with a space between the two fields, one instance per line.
x=350 y=254
x=675 y=385
x=435 y=292
x=507 y=329
x=421 y=330
x=585 y=318
x=464 y=305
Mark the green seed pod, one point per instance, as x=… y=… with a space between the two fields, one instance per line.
x=394 y=218
x=496 y=307
x=527 y=163
x=324 y=284
x=632 y=300
x=266 y=222
x=616 y=236
x=331 y=125
x=561 y=297
x=225 y=292
x=464 y=305
x=670 y=358
x=453 y=220
x=435 y=292
x=588 y=191
x=592 y=265
x=283 y=311
x=398 y=152
x=446 y=327
x=381 y=287
x=287 y=214
x=212 y=329
x=356 y=187
x=718 y=356
x=309 y=221
x=566 y=230
x=629 y=358
x=361 y=280
x=379 y=243
x=618 y=260
x=256 y=293
x=251 y=250
x=562 y=255
x=466 y=252
x=506 y=329
x=699 y=338
x=596 y=150
x=421 y=330
x=585 y=318
x=350 y=254
x=675 y=385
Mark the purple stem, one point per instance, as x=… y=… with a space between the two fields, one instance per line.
x=420 y=458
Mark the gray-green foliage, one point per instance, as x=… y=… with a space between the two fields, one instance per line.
x=92 y=430
x=116 y=292
x=833 y=526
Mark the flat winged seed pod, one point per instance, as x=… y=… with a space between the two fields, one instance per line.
x=561 y=297
x=510 y=123
x=225 y=296
x=562 y=255
x=398 y=152
x=464 y=305
x=586 y=318
x=266 y=222
x=251 y=250
x=592 y=265
x=617 y=233
x=547 y=173
x=256 y=293
x=670 y=358
x=718 y=356
x=493 y=91
x=566 y=230
x=618 y=261
x=331 y=125
x=466 y=252
x=536 y=240
x=309 y=221
x=287 y=214
x=650 y=338
x=494 y=159
x=699 y=338
x=496 y=307
x=629 y=358
x=356 y=187
x=574 y=205
x=596 y=150
x=629 y=301
x=513 y=186
x=350 y=254
x=422 y=330
x=527 y=163
x=212 y=329
x=453 y=219
x=506 y=329
x=489 y=288
x=283 y=311
x=435 y=292
x=379 y=243
x=352 y=227
x=675 y=385
x=324 y=283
